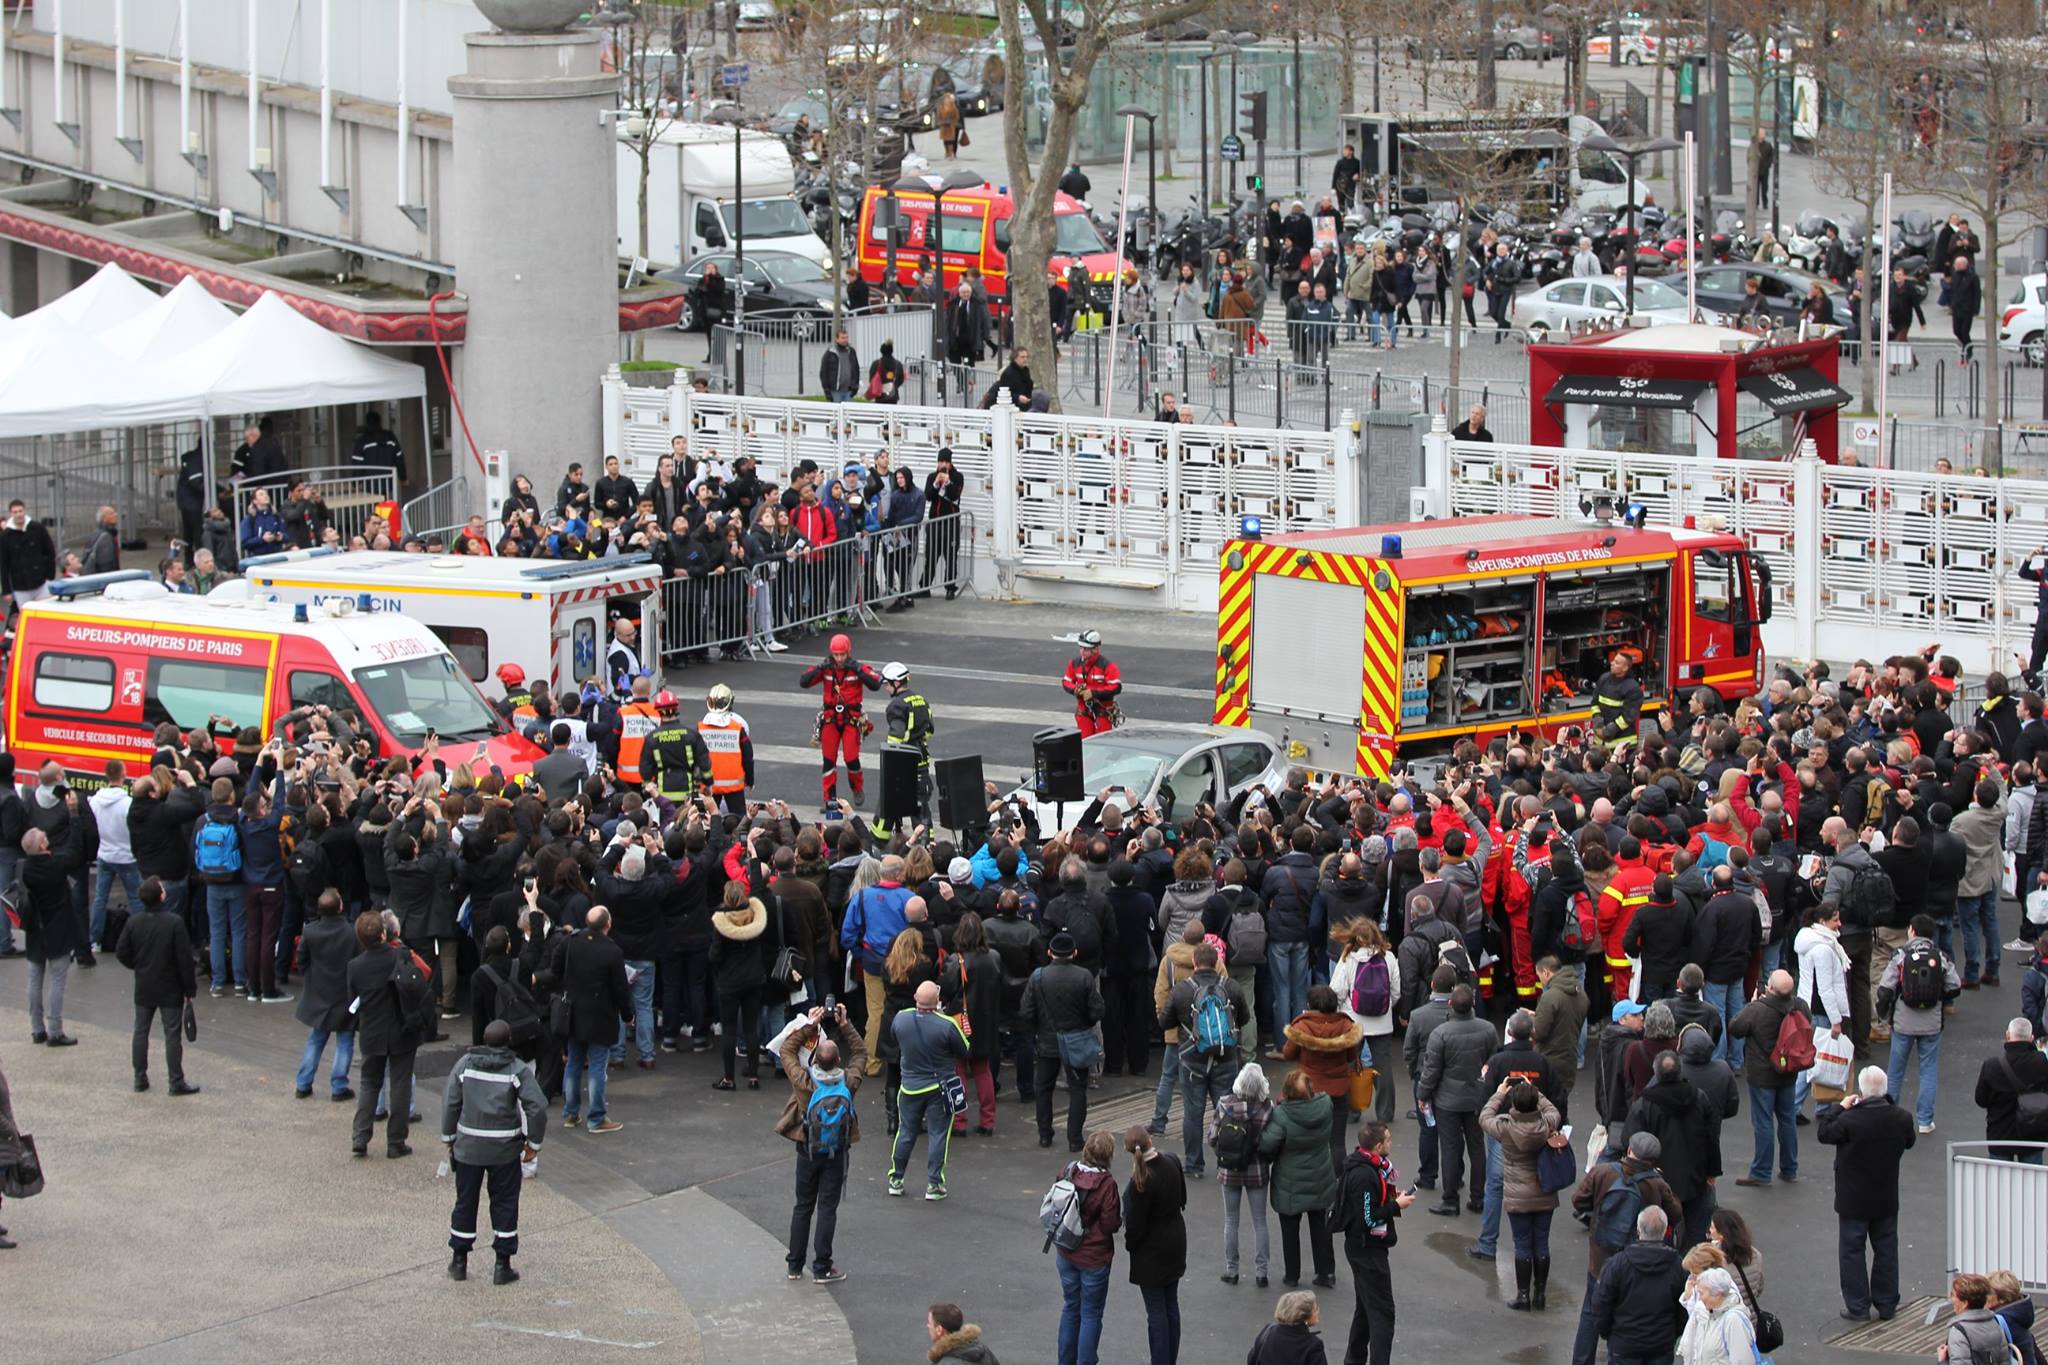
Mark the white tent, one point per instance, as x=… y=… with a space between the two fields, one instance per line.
x=50 y=367
x=272 y=358
x=111 y=297
x=177 y=323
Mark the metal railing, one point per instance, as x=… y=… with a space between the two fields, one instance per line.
x=443 y=510
x=812 y=588
x=342 y=496
x=782 y=353
x=1994 y=1212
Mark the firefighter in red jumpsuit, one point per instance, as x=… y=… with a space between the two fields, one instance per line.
x=1095 y=684
x=840 y=723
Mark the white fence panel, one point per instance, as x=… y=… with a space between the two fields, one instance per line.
x=1994 y=1213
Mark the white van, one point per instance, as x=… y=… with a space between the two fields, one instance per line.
x=698 y=193
x=546 y=616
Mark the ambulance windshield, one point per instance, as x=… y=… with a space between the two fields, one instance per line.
x=428 y=693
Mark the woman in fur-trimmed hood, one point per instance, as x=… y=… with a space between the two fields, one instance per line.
x=739 y=959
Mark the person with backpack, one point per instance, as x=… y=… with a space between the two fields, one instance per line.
x=1234 y=1131
x=1208 y=1010
x=1857 y=884
x=1871 y=1137
x=1447 y=1094
x=1915 y=985
x=1081 y=1215
x=1083 y=914
x=1240 y=919
x=493 y=1117
x=1369 y=975
x=1324 y=1041
x=822 y=1058
x=1780 y=1033
x=874 y=916
x=1296 y=1142
x=393 y=1000
x=2012 y=1090
x=1062 y=1004
x=217 y=860
x=1609 y=1198
x=325 y=950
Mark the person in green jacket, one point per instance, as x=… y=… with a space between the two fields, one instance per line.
x=1296 y=1141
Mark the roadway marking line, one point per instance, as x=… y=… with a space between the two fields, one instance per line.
x=573 y=1334
x=942 y=712
x=1023 y=679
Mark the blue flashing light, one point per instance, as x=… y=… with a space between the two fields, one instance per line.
x=1251 y=527
x=299 y=613
x=1390 y=546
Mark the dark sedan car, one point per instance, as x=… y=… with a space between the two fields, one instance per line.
x=1721 y=288
x=779 y=285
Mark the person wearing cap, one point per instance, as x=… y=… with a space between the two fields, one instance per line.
x=675 y=759
x=943 y=489
x=1061 y=999
x=517 y=706
x=728 y=749
x=1094 y=684
x=910 y=724
x=1611 y=1091
x=493 y=1117
x=841 y=680
x=638 y=719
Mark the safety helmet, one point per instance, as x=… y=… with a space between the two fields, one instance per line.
x=1091 y=639
x=894 y=672
x=719 y=698
x=668 y=701
x=512 y=675
x=841 y=645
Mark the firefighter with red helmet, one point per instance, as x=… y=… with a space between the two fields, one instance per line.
x=840 y=722
x=518 y=704
x=676 y=759
x=1094 y=684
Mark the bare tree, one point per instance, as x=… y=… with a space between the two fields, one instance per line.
x=649 y=51
x=1095 y=26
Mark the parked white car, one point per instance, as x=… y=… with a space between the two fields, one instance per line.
x=2023 y=322
x=1169 y=767
x=1566 y=303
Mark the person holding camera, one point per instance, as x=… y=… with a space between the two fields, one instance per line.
x=825 y=1061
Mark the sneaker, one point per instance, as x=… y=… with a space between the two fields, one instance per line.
x=448 y=1012
x=937 y=1192
x=1925 y=1128
x=796 y=1274
x=218 y=991
x=671 y=1045
x=2019 y=945
x=607 y=1126
x=895 y=1185
x=276 y=998
x=832 y=1276
x=569 y=1120
x=777 y=647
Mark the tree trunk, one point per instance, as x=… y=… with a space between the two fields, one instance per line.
x=1994 y=452
x=1756 y=133
x=645 y=149
x=1456 y=299
x=1866 y=325
x=1487 y=95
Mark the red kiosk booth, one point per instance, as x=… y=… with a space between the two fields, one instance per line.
x=1688 y=388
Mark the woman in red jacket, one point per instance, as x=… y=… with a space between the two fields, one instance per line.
x=1084 y=1271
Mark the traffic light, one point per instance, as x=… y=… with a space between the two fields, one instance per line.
x=1256 y=183
x=1255 y=115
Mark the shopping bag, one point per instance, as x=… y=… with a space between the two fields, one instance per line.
x=1363 y=1083
x=1832 y=1058
x=2037 y=905
x=1556 y=1169
x=2009 y=880
x=24 y=1179
x=1596 y=1145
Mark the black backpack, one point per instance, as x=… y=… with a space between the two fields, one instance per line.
x=414 y=986
x=514 y=1004
x=1870 y=898
x=1923 y=981
x=1084 y=926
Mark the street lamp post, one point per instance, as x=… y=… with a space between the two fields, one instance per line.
x=1630 y=152
x=1151 y=168
x=937 y=187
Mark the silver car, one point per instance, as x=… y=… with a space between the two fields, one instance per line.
x=1560 y=306
x=1168 y=767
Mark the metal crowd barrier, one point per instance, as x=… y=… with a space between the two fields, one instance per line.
x=814 y=588
x=350 y=493
x=1994 y=1212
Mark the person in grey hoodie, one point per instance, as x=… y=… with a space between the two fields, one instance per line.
x=1449 y=1085
x=1982 y=830
x=493 y=1117
x=1905 y=995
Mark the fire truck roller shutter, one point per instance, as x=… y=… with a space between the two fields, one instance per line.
x=1308 y=640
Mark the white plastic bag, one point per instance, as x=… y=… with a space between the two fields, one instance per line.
x=1832 y=1058
x=1596 y=1143
x=2009 y=881
x=2037 y=905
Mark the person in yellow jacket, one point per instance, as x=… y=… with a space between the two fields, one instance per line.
x=910 y=723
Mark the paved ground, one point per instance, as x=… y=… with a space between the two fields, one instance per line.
x=687 y=1206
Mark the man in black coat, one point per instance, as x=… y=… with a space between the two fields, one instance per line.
x=1635 y=1303
x=1771 y=1091
x=1870 y=1135
x=28 y=556
x=156 y=947
x=593 y=977
x=326 y=948
x=388 y=1032
x=1965 y=301
x=160 y=833
x=1661 y=937
x=634 y=883
x=2019 y=1069
x=1061 y=997
x=1673 y=1108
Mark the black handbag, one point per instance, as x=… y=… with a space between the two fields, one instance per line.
x=25 y=1177
x=1770 y=1333
x=191 y=1023
x=788 y=968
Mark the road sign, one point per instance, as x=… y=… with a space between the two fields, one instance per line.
x=734 y=75
x=1232 y=148
x=1863 y=431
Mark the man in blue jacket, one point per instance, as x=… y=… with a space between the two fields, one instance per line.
x=874 y=916
x=927 y=1045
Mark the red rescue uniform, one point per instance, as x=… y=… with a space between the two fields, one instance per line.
x=1626 y=893
x=1096 y=712
x=840 y=722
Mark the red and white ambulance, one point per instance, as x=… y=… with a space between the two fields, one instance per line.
x=96 y=669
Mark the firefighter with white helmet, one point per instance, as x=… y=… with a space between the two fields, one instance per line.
x=1094 y=683
x=910 y=723
x=840 y=723
x=729 y=746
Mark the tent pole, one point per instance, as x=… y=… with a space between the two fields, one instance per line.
x=427 y=445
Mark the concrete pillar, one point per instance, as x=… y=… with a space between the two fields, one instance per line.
x=53 y=277
x=540 y=271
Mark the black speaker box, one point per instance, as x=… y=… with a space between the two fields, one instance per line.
x=899 y=783
x=962 y=803
x=1056 y=765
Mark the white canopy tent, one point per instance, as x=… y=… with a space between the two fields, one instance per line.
x=111 y=297
x=174 y=325
x=52 y=365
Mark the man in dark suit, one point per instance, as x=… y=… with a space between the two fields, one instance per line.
x=387 y=1035
x=1870 y=1134
x=593 y=976
x=157 y=948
